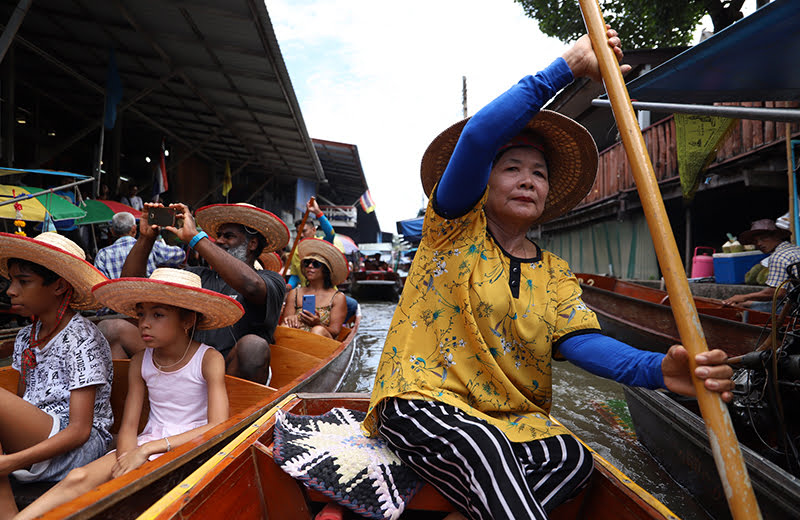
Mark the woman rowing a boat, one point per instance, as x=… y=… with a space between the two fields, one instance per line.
x=463 y=389
x=183 y=379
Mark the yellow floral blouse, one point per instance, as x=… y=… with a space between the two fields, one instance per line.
x=475 y=326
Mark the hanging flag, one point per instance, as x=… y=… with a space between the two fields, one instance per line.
x=367 y=204
x=160 y=180
x=113 y=91
x=227 y=182
x=697 y=138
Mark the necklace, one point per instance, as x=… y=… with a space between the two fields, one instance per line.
x=162 y=367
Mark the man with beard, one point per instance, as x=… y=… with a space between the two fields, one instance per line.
x=233 y=237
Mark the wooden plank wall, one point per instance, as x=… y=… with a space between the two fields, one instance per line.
x=614 y=172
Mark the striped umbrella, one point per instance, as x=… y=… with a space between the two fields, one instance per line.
x=35 y=209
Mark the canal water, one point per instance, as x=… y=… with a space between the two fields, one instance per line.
x=592 y=407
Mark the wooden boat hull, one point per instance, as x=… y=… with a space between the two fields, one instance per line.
x=243 y=481
x=300 y=360
x=677 y=438
x=642 y=317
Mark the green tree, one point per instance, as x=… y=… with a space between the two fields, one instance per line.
x=642 y=23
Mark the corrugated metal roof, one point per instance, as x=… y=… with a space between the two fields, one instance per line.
x=343 y=169
x=208 y=74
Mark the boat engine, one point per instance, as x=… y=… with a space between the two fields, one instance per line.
x=766 y=399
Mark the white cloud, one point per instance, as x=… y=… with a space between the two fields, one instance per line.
x=386 y=76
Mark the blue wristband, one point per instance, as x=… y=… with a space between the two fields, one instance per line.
x=197 y=238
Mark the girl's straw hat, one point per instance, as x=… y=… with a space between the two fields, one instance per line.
x=569 y=149
x=58 y=254
x=326 y=253
x=174 y=287
x=210 y=218
x=271 y=261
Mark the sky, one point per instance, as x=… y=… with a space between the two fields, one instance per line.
x=387 y=76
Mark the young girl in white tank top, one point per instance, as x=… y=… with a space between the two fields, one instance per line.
x=184 y=379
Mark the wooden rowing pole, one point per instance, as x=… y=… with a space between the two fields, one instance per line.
x=296 y=241
x=724 y=445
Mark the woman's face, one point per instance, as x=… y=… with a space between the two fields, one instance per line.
x=312 y=269
x=518 y=186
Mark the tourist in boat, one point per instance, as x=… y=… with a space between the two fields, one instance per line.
x=773 y=241
x=233 y=238
x=59 y=419
x=183 y=379
x=309 y=230
x=324 y=267
x=463 y=388
x=109 y=260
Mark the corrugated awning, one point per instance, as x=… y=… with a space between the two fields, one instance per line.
x=342 y=166
x=755 y=59
x=207 y=74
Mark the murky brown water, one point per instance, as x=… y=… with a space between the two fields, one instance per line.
x=590 y=406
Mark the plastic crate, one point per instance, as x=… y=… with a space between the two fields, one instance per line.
x=731 y=267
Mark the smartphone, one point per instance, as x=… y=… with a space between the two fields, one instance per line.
x=310 y=303
x=161 y=216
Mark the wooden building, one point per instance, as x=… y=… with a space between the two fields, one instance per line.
x=747 y=180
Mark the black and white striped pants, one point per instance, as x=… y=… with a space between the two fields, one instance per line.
x=474 y=464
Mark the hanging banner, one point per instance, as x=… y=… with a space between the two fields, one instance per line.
x=697 y=138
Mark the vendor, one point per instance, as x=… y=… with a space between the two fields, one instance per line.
x=770 y=240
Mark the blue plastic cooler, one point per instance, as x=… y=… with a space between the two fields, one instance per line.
x=731 y=267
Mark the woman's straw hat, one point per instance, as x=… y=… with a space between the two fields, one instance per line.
x=210 y=218
x=174 y=287
x=271 y=261
x=570 y=151
x=326 y=253
x=58 y=254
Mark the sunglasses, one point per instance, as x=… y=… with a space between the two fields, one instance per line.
x=310 y=262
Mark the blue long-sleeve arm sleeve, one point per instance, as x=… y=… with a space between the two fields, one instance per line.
x=612 y=359
x=327 y=229
x=293 y=281
x=467 y=174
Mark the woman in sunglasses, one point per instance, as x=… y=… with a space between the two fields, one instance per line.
x=324 y=267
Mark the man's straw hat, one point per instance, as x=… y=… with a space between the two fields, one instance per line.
x=271 y=261
x=569 y=149
x=174 y=287
x=326 y=253
x=58 y=254
x=762 y=227
x=210 y=218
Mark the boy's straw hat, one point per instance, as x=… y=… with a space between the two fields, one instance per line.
x=569 y=149
x=271 y=261
x=58 y=254
x=174 y=287
x=326 y=253
x=210 y=218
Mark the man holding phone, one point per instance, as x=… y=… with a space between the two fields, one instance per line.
x=109 y=260
x=234 y=236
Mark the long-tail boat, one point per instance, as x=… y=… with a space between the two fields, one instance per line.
x=243 y=481
x=672 y=430
x=300 y=361
x=642 y=316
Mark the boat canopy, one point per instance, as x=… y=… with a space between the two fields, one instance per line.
x=754 y=59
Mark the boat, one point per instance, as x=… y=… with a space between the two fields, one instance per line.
x=641 y=316
x=243 y=481
x=376 y=285
x=300 y=361
x=670 y=428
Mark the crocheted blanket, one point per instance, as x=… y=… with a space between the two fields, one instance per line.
x=330 y=454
